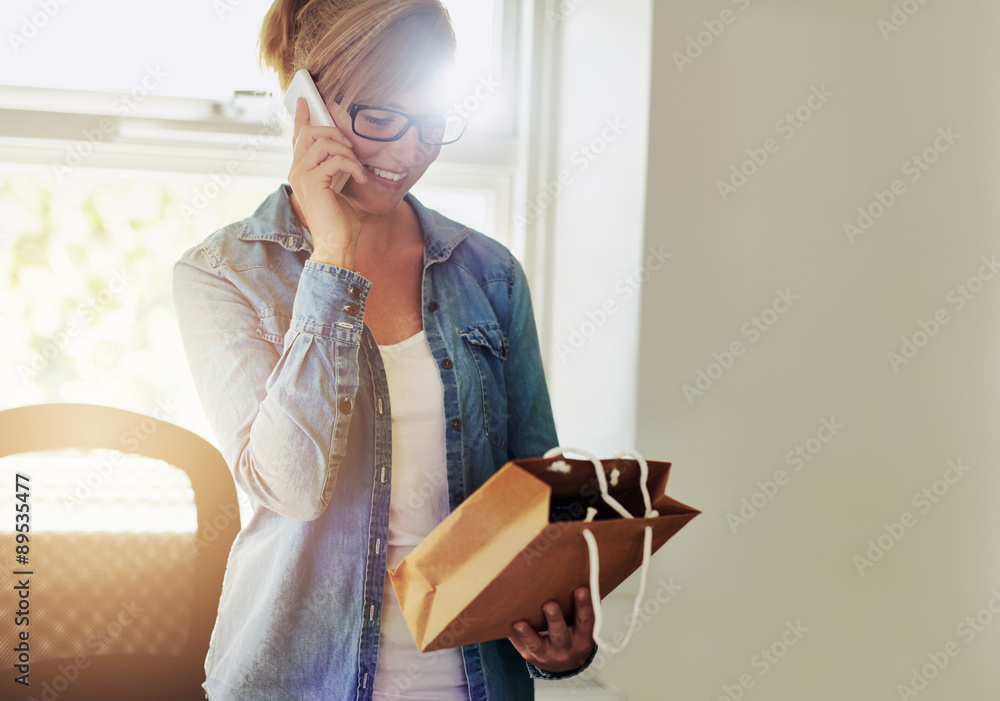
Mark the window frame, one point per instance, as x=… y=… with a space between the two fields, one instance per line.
x=41 y=128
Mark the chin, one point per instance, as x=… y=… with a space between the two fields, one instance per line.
x=365 y=199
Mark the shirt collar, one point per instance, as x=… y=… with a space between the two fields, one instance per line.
x=274 y=221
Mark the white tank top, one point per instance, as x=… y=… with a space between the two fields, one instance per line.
x=418 y=502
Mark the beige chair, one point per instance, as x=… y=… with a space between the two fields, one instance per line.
x=127 y=556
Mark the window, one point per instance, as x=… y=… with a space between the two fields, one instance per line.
x=110 y=168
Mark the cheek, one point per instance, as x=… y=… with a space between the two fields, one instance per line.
x=429 y=156
x=365 y=149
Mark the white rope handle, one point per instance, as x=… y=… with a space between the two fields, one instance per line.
x=601 y=479
x=643 y=478
x=595 y=589
x=595 y=565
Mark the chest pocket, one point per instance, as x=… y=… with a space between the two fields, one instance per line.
x=488 y=346
x=273 y=326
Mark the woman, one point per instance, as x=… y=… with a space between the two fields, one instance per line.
x=365 y=363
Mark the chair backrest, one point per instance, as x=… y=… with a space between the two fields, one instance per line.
x=140 y=645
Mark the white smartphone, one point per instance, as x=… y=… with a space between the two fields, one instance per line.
x=302 y=85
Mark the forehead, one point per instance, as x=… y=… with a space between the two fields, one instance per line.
x=428 y=95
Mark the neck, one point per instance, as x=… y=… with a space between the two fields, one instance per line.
x=385 y=232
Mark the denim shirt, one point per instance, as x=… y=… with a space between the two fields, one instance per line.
x=293 y=386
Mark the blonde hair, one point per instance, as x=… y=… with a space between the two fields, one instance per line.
x=369 y=49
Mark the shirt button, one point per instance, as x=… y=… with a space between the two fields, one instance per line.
x=352 y=309
x=456 y=424
x=446 y=363
x=432 y=305
x=354 y=291
x=345 y=405
x=458 y=497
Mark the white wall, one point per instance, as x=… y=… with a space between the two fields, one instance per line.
x=597 y=185
x=824 y=357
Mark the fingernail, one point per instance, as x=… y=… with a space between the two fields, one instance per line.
x=581 y=594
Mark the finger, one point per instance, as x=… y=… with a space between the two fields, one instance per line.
x=583 y=618
x=527 y=641
x=519 y=646
x=339 y=164
x=325 y=136
x=306 y=135
x=326 y=150
x=301 y=117
x=323 y=149
x=559 y=635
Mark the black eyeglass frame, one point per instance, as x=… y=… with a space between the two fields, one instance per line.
x=353 y=110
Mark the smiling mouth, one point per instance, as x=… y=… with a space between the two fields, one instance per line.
x=387 y=174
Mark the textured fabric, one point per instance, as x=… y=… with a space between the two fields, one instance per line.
x=294 y=387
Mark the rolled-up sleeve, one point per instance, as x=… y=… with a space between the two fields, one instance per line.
x=281 y=419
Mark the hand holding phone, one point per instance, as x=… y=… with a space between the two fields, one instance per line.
x=322 y=162
x=302 y=85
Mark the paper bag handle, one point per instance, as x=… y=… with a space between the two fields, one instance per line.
x=647 y=545
x=595 y=589
x=602 y=481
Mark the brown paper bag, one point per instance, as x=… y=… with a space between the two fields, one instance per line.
x=499 y=556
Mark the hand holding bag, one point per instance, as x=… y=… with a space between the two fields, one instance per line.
x=534 y=532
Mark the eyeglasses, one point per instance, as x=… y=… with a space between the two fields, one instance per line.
x=385 y=124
